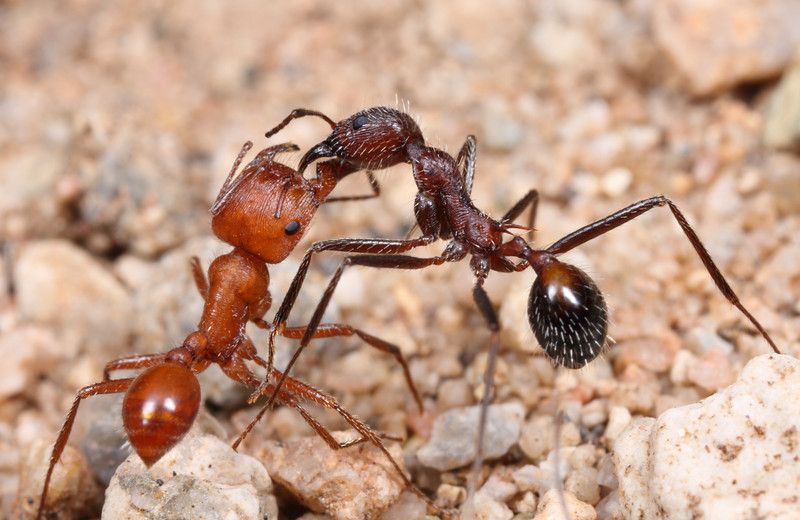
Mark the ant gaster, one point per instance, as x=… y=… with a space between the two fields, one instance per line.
x=262 y=213
x=566 y=310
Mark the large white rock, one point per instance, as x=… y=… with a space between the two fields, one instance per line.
x=733 y=455
x=201 y=478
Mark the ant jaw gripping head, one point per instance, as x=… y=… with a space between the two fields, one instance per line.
x=159 y=408
x=267 y=212
x=374 y=138
x=568 y=314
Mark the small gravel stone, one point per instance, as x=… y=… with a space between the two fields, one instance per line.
x=550 y=507
x=449 y=496
x=609 y=508
x=712 y=371
x=782 y=124
x=616 y=182
x=26 y=351
x=452 y=444
x=582 y=482
x=661 y=464
x=618 y=419
x=483 y=507
x=538 y=437
x=349 y=484
x=454 y=393
x=408 y=507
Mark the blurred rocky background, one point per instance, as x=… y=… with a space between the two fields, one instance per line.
x=119 y=122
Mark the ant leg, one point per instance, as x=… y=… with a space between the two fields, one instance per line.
x=346 y=245
x=199 y=276
x=530 y=199
x=294 y=387
x=628 y=213
x=468 y=154
x=379 y=261
x=106 y=387
x=296 y=114
x=329 y=330
x=373 y=183
x=131 y=362
x=493 y=323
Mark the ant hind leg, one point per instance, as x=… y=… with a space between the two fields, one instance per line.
x=116 y=386
x=606 y=224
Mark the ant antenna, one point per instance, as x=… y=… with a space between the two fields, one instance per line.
x=227 y=184
x=297 y=113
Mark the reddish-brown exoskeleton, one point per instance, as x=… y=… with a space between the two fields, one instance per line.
x=262 y=213
x=566 y=310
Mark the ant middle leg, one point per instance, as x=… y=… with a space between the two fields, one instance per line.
x=530 y=199
x=489 y=314
x=379 y=261
x=116 y=386
x=345 y=245
x=373 y=184
x=606 y=224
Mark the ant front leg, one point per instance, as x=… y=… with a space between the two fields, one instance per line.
x=346 y=245
x=378 y=261
x=373 y=183
x=530 y=199
x=604 y=225
x=106 y=387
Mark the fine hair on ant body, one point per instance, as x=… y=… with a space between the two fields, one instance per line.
x=263 y=212
x=566 y=310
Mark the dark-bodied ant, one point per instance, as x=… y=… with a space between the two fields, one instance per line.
x=566 y=310
x=262 y=213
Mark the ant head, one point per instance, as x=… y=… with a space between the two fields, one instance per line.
x=568 y=314
x=374 y=138
x=159 y=408
x=267 y=211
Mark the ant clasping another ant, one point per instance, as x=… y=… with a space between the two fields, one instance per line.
x=566 y=309
x=263 y=212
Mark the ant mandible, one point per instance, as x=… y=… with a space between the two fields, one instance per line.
x=566 y=309
x=262 y=213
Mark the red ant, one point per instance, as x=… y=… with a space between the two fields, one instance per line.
x=262 y=213
x=566 y=310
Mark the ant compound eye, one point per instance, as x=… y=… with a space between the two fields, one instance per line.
x=568 y=315
x=292 y=228
x=159 y=408
x=359 y=121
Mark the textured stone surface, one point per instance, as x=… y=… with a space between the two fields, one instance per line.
x=718 y=43
x=202 y=478
x=356 y=483
x=724 y=457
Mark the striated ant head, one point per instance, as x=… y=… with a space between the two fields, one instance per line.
x=159 y=408
x=568 y=314
x=266 y=210
x=374 y=138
